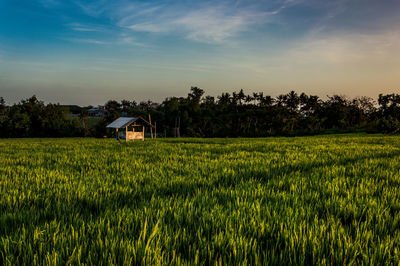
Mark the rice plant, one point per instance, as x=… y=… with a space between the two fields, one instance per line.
x=304 y=200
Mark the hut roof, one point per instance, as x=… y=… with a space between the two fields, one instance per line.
x=125 y=121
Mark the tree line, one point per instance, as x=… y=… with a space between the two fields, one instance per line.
x=233 y=114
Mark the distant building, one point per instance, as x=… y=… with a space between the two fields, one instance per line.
x=131 y=128
x=97 y=111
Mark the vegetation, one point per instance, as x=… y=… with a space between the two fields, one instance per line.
x=322 y=200
x=230 y=115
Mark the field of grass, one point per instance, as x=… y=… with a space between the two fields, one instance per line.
x=322 y=200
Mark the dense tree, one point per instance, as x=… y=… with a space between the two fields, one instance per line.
x=128 y=107
x=228 y=115
x=389 y=113
x=32 y=118
x=3 y=106
x=112 y=110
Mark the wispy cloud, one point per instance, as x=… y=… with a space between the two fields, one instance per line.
x=213 y=24
x=129 y=12
x=92 y=8
x=127 y=40
x=219 y=20
x=349 y=48
x=89 y=41
x=85 y=28
x=123 y=39
x=210 y=24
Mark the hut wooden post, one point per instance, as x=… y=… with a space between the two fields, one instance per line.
x=143 y=134
x=126 y=134
x=116 y=133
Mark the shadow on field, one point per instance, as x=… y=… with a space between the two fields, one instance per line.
x=197 y=141
x=308 y=166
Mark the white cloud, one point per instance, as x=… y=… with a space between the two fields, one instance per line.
x=85 y=28
x=128 y=13
x=121 y=40
x=208 y=22
x=205 y=24
x=150 y=27
x=92 y=8
x=345 y=48
x=89 y=41
x=128 y=40
x=212 y=25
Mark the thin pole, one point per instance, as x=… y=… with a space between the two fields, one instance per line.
x=176 y=126
x=179 y=127
x=151 y=127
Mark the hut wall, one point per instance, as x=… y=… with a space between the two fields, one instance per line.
x=134 y=135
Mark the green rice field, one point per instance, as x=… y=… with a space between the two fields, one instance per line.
x=331 y=199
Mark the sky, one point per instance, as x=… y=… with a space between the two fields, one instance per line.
x=87 y=52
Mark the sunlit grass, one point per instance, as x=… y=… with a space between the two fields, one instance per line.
x=321 y=200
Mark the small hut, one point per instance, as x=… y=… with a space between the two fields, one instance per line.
x=130 y=128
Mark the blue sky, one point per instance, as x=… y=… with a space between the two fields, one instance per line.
x=86 y=52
